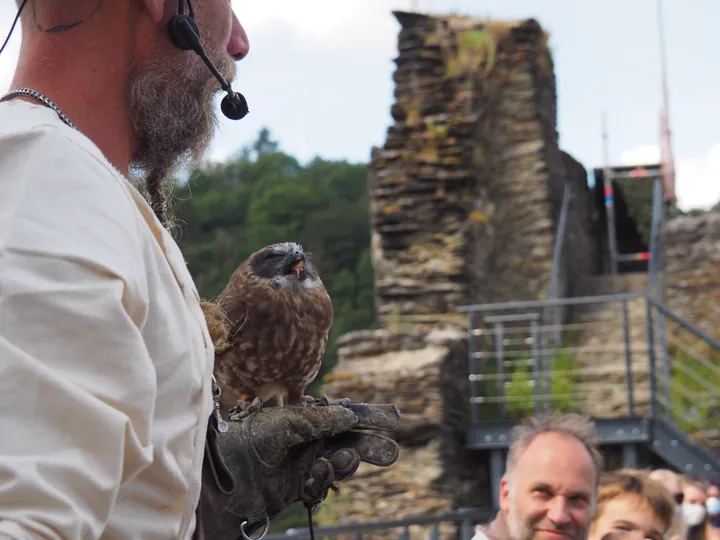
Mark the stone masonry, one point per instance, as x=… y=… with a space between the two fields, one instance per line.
x=465 y=196
x=461 y=205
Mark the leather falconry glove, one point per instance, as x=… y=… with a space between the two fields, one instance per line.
x=278 y=456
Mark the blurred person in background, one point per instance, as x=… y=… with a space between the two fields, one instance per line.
x=632 y=505
x=694 y=511
x=549 y=489
x=712 y=504
x=673 y=483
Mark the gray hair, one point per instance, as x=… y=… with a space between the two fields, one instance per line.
x=577 y=426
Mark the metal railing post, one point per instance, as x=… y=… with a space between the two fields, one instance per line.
x=628 y=358
x=500 y=363
x=535 y=353
x=473 y=367
x=465 y=529
x=610 y=217
x=665 y=367
x=651 y=359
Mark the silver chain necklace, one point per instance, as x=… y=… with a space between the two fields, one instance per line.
x=37 y=96
x=221 y=424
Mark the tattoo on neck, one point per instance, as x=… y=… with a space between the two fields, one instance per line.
x=63 y=27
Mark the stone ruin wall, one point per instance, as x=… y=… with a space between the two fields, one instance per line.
x=465 y=194
x=464 y=170
x=465 y=197
x=692 y=264
x=692 y=278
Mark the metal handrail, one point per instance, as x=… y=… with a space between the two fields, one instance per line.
x=687 y=325
x=553 y=302
x=466 y=517
x=559 y=242
x=535 y=358
x=687 y=349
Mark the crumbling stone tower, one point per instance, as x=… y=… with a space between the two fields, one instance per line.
x=466 y=187
x=464 y=197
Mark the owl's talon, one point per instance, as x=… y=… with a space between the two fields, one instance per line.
x=243 y=409
x=342 y=402
x=306 y=401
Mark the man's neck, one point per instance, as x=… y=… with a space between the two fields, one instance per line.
x=498 y=529
x=98 y=111
x=84 y=71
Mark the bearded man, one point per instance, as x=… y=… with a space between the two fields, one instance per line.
x=550 y=486
x=109 y=426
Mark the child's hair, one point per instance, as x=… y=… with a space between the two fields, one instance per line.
x=650 y=493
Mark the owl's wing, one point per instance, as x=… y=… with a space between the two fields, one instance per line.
x=236 y=311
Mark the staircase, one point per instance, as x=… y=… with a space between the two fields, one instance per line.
x=649 y=378
x=663 y=414
x=611 y=350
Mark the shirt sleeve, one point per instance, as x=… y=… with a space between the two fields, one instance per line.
x=77 y=385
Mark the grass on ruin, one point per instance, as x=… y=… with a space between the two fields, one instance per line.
x=693 y=389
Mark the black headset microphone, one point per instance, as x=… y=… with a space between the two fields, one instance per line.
x=185 y=34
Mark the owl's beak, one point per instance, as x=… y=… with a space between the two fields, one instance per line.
x=298 y=268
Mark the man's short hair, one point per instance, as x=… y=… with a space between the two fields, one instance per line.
x=577 y=426
x=652 y=493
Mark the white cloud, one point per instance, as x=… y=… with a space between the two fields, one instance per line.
x=641 y=155
x=326 y=22
x=697 y=180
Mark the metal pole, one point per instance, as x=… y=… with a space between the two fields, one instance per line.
x=500 y=363
x=497 y=470
x=628 y=359
x=535 y=354
x=665 y=367
x=653 y=266
x=657 y=261
x=666 y=139
x=663 y=58
x=651 y=359
x=473 y=366
x=609 y=203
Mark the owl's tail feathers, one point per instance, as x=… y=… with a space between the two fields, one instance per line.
x=217 y=322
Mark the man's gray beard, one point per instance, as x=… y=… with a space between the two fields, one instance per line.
x=518 y=529
x=172 y=109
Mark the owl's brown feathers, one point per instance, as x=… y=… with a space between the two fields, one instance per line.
x=279 y=316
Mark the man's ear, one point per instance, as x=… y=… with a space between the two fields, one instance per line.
x=156 y=9
x=504 y=495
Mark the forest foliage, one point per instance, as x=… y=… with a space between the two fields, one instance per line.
x=262 y=195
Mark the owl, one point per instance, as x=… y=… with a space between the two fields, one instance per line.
x=279 y=315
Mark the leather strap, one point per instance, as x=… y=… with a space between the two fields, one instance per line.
x=218 y=471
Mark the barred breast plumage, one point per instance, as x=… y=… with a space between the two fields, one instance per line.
x=279 y=315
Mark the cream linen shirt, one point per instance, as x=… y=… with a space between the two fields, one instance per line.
x=105 y=357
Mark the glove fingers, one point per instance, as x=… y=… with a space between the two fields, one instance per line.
x=274 y=431
x=371 y=448
x=345 y=462
x=382 y=417
x=320 y=477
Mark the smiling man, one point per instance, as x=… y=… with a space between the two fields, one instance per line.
x=549 y=490
x=108 y=427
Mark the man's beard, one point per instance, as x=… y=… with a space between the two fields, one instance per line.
x=173 y=114
x=520 y=528
x=517 y=526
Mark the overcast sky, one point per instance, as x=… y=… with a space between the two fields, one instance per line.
x=319 y=76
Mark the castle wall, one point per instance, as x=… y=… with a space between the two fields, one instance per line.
x=692 y=252
x=462 y=208
x=465 y=194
